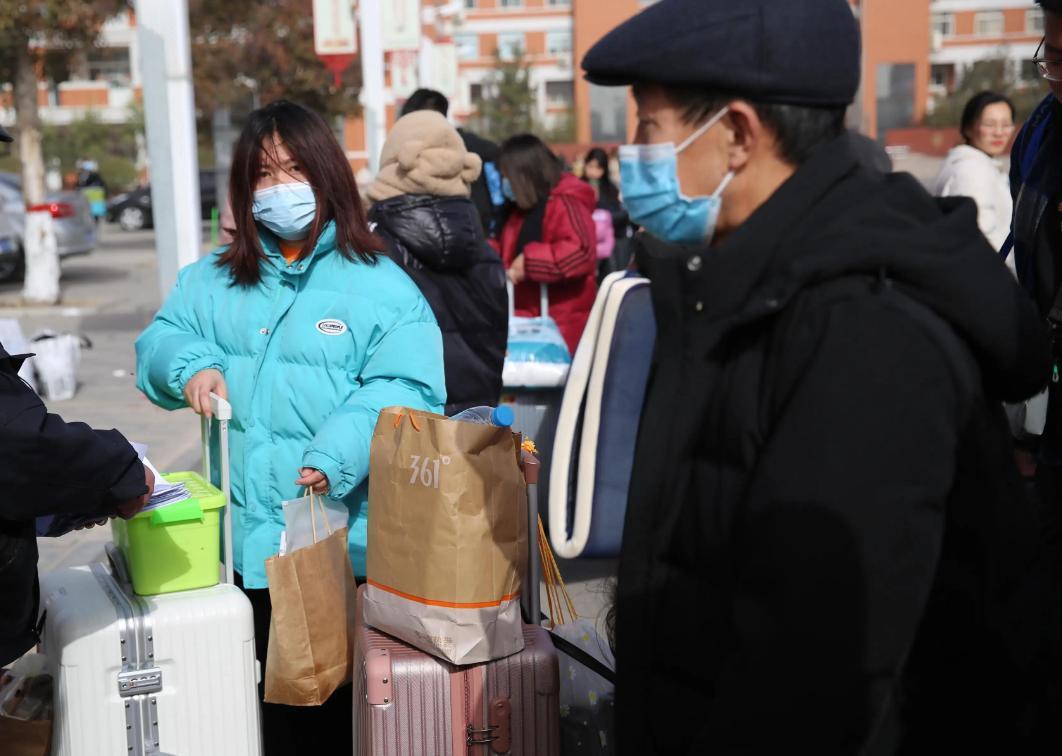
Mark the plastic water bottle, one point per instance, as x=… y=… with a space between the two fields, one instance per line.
x=501 y=416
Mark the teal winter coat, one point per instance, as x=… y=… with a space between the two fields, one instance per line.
x=310 y=355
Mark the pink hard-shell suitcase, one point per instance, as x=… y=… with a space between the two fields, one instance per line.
x=409 y=703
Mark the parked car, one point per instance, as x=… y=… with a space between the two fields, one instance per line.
x=132 y=210
x=75 y=229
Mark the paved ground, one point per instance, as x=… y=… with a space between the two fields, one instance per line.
x=110 y=296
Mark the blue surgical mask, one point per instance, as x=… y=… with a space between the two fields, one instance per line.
x=507 y=190
x=286 y=209
x=651 y=192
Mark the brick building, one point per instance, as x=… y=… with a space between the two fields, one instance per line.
x=104 y=81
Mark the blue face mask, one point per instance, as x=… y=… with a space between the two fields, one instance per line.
x=507 y=190
x=286 y=209
x=651 y=192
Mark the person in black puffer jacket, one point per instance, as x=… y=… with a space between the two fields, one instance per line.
x=421 y=208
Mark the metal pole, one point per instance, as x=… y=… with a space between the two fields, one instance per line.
x=372 y=80
x=169 y=114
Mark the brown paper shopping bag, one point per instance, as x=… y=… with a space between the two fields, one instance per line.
x=447 y=540
x=311 y=633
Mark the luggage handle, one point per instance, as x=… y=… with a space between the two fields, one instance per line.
x=532 y=592
x=543 y=298
x=119 y=567
x=222 y=412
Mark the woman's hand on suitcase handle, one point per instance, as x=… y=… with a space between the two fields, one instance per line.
x=197 y=391
x=315 y=479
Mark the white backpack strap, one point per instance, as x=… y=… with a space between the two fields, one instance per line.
x=512 y=296
x=564 y=439
x=592 y=420
x=543 y=300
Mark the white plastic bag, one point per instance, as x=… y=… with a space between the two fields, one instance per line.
x=298 y=523
x=57 y=362
x=14 y=342
x=536 y=354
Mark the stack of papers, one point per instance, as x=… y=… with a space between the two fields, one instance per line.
x=165 y=492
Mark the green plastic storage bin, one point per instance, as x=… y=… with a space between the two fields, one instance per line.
x=176 y=547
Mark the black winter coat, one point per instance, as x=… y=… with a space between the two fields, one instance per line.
x=438 y=241
x=47 y=466
x=824 y=485
x=488 y=153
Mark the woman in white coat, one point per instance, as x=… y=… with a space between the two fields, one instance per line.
x=976 y=169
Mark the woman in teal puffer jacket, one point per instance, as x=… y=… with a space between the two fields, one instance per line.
x=308 y=332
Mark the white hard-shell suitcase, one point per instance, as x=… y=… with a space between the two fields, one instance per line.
x=170 y=674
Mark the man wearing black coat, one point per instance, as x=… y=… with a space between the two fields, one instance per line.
x=50 y=467
x=826 y=547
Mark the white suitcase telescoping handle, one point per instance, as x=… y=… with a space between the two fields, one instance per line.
x=222 y=412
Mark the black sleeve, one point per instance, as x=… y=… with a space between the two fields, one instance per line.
x=53 y=467
x=841 y=539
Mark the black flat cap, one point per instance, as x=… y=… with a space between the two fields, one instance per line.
x=800 y=52
x=4 y=136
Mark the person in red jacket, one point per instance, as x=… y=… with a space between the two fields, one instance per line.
x=548 y=236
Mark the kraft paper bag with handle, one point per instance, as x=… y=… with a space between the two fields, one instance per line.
x=311 y=634
x=447 y=541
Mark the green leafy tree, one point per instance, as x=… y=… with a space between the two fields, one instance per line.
x=113 y=146
x=509 y=103
x=36 y=36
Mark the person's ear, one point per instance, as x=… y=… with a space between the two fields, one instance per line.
x=748 y=134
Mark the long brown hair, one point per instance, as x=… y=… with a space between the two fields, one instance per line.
x=532 y=169
x=313 y=146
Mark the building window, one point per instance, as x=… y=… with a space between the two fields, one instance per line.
x=510 y=45
x=942 y=75
x=467 y=46
x=561 y=3
x=560 y=95
x=470 y=4
x=475 y=93
x=944 y=24
x=109 y=64
x=1034 y=21
x=559 y=42
x=988 y=24
x=510 y=3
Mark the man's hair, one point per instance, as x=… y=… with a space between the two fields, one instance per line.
x=1055 y=6
x=798 y=128
x=426 y=99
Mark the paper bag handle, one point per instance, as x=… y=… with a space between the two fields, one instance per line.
x=316 y=498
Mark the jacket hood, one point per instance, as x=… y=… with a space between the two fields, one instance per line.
x=966 y=154
x=443 y=233
x=570 y=186
x=833 y=218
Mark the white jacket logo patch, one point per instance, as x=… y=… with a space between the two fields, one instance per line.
x=331 y=327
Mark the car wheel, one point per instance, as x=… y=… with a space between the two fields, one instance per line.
x=131 y=219
x=11 y=267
